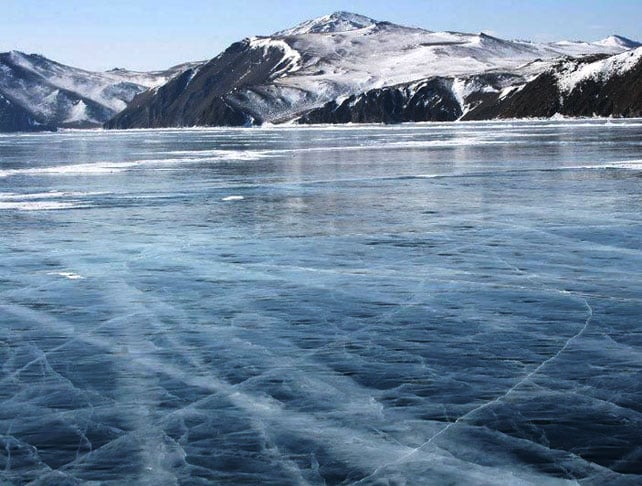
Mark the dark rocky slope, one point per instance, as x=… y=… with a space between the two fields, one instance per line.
x=617 y=94
x=14 y=118
x=434 y=99
x=209 y=95
x=606 y=89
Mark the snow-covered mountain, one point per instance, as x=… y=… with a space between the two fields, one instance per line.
x=339 y=67
x=293 y=72
x=40 y=93
x=588 y=86
x=335 y=22
x=619 y=41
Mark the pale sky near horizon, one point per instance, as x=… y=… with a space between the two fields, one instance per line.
x=156 y=34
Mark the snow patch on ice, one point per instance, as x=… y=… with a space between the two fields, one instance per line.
x=44 y=201
x=38 y=205
x=621 y=164
x=68 y=275
x=12 y=196
x=109 y=167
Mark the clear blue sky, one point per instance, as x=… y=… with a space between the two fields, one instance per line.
x=155 y=34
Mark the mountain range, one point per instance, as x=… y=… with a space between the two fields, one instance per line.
x=37 y=93
x=339 y=68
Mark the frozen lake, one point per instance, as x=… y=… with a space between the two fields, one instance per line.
x=417 y=304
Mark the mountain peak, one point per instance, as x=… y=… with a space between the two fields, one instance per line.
x=619 y=41
x=16 y=54
x=339 y=21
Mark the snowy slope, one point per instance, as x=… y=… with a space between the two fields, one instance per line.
x=335 y=22
x=618 y=41
x=14 y=118
x=599 y=85
x=334 y=57
x=383 y=54
x=59 y=95
x=573 y=72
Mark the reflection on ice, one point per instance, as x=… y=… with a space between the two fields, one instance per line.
x=348 y=322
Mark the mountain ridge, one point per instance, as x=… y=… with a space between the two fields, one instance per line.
x=303 y=73
x=585 y=87
x=53 y=95
x=339 y=21
x=334 y=57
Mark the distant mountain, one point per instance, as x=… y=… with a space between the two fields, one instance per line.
x=598 y=85
x=338 y=68
x=39 y=93
x=590 y=86
x=619 y=41
x=336 y=22
x=345 y=62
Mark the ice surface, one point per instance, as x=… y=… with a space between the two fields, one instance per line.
x=110 y=167
x=425 y=303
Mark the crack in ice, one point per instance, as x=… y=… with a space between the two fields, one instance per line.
x=510 y=391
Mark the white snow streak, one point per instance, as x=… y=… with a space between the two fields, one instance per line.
x=572 y=74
